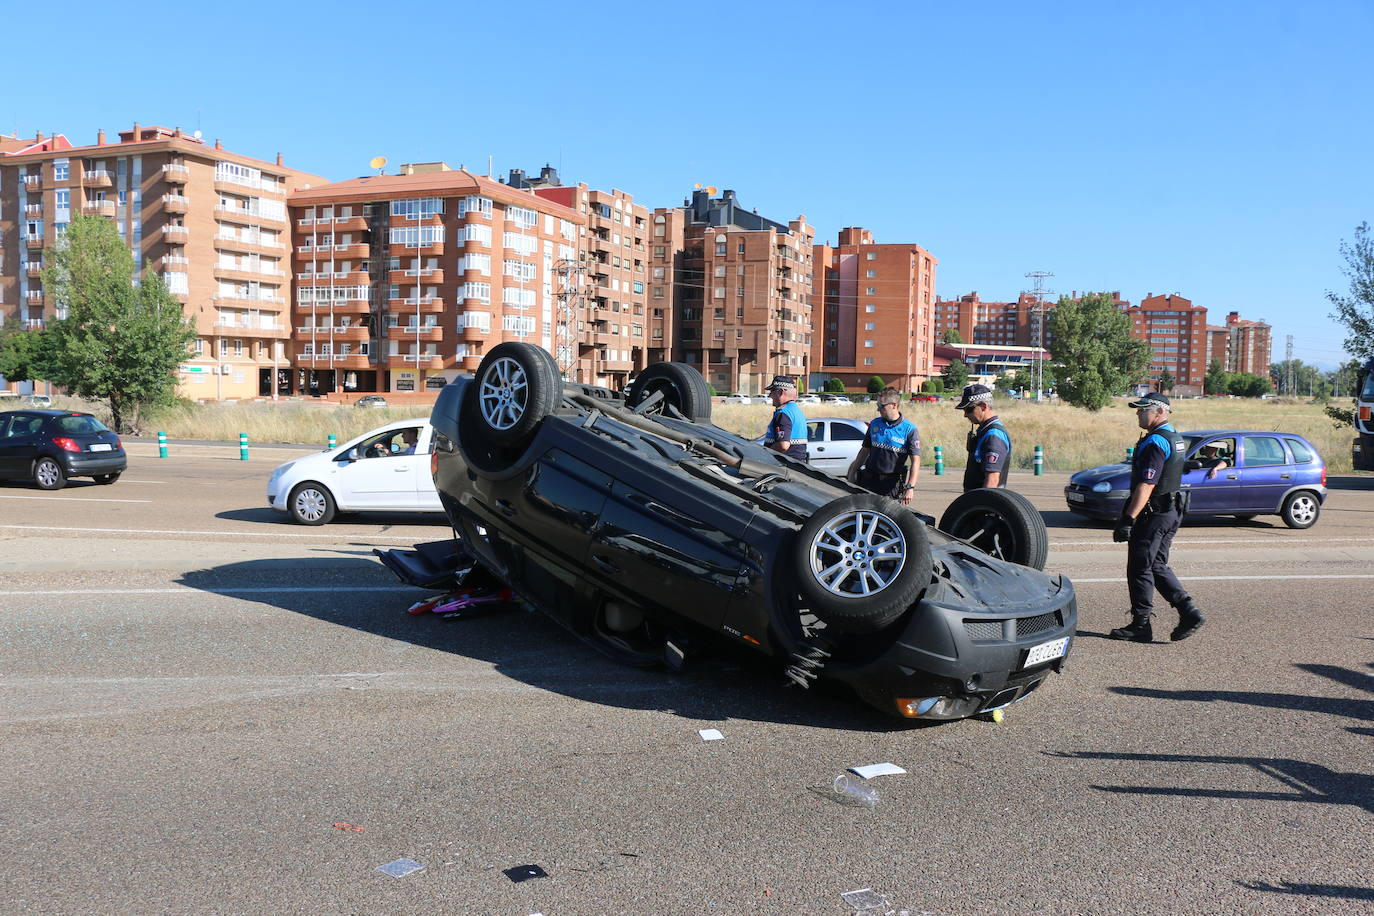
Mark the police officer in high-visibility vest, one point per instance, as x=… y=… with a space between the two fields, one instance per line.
x=1150 y=520
x=989 y=443
x=786 y=432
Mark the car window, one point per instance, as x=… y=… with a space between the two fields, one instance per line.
x=1301 y=453
x=4 y=425
x=815 y=432
x=1217 y=448
x=390 y=444
x=23 y=424
x=81 y=423
x=1263 y=451
x=843 y=432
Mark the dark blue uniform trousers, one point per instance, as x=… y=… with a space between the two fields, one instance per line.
x=1147 y=562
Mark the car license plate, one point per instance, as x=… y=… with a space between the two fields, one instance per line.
x=1074 y=497
x=1046 y=651
x=102 y=447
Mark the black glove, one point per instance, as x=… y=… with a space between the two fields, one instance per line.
x=1122 y=532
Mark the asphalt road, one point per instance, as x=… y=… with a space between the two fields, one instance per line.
x=194 y=693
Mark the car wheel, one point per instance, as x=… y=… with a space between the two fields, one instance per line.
x=862 y=561
x=1001 y=523
x=107 y=479
x=682 y=386
x=48 y=474
x=1301 y=509
x=516 y=387
x=311 y=504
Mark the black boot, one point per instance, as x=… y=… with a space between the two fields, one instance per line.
x=1190 y=620
x=1138 y=630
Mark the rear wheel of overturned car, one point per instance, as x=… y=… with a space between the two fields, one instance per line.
x=862 y=561
x=48 y=474
x=681 y=386
x=1001 y=523
x=516 y=386
x=311 y=504
x=1301 y=509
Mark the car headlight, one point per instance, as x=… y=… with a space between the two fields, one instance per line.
x=1102 y=486
x=276 y=475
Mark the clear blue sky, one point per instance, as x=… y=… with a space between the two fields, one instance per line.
x=1218 y=150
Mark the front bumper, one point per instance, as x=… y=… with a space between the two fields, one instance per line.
x=1084 y=501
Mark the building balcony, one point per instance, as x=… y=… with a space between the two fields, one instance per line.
x=96 y=178
x=33 y=211
x=335 y=332
x=339 y=278
x=332 y=361
x=33 y=268
x=34 y=296
x=332 y=224
x=420 y=361
x=99 y=208
x=255 y=331
x=432 y=305
x=177 y=174
x=337 y=307
x=248 y=216
x=175 y=203
x=352 y=251
x=474 y=333
x=234 y=243
x=423 y=333
x=33 y=242
x=405 y=250
x=33 y=183
x=468 y=363
x=617 y=365
x=174 y=262
x=434 y=219
x=175 y=233
x=429 y=277
x=33 y=324
x=248 y=273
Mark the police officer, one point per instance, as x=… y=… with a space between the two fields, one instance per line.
x=786 y=431
x=1150 y=520
x=989 y=444
x=882 y=463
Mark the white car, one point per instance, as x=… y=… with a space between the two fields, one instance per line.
x=832 y=443
x=809 y=399
x=379 y=471
x=736 y=399
x=835 y=399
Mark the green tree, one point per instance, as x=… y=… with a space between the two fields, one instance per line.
x=933 y=386
x=834 y=385
x=21 y=351
x=876 y=384
x=1215 y=382
x=120 y=342
x=956 y=376
x=1096 y=355
x=1249 y=385
x=1166 y=381
x=1356 y=310
x=952 y=336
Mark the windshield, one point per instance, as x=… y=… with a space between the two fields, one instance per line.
x=79 y=424
x=1367 y=386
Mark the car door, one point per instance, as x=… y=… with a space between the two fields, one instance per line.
x=1219 y=494
x=376 y=475
x=6 y=460
x=1266 y=472
x=19 y=446
x=817 y=440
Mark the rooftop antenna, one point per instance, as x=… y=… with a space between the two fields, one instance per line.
x=488 y=166
x=378 y=163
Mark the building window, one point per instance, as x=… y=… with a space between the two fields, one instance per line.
x=61 y=169
x=870 y=291
x=868 y=360
x=868 y=325
x=870 y=309
x=740 y=248
x=870 y=273
x=872 y=256
x=868 y=344
x=720 y=249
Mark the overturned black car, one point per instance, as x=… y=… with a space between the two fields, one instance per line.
x=640 y=526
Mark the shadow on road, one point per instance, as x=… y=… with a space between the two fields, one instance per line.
x=1340 y=891
x=722 y=683
x=267 y=516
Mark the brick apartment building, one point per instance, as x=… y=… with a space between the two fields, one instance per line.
x=404 y=281
x=606 y=287
x=1007 y=324
x=1176 y=331
x=874 y=307
x=730 y=292
x=212 y=222
x=1249 y=345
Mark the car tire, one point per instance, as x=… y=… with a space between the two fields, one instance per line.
x=682 y=386
x=48 y=474
x=1301 y=509
x=107 y=479
x=1001 y=523
x=841 y=583
x=517 y=385
x=311 y=504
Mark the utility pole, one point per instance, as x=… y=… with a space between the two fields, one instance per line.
x=572 y=278
x=1288 y=365
x=1037 y=278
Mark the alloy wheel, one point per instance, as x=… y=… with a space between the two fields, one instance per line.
x=858 y=553
x=503 y=394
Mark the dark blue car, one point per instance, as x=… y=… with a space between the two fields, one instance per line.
x=1265 y=473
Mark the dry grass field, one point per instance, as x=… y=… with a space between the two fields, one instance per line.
x=1072 y=438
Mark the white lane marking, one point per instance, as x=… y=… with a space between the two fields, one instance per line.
x=127 y=480
x=1189 y=578
x=78 y=499
x=342 y=535
x=1277 y=538
x=190 y=589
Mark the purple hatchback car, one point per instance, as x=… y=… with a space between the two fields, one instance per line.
x=1266 y=473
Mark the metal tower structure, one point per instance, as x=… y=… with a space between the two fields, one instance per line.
x=572 y=281
x=1037 y=278
x=1289 y=381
